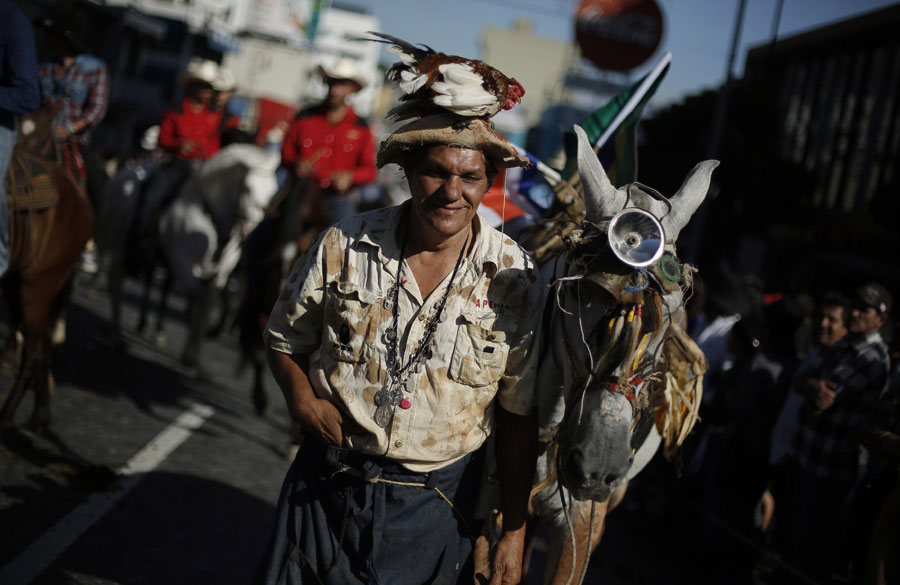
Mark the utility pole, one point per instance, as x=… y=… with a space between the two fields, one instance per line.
x=692 y=248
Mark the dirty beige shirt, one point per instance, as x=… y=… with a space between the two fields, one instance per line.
x=487 y=346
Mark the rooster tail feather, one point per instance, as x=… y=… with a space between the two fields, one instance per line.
x=402 y=47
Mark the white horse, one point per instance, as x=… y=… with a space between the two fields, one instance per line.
x=618 y=375
x=201 y=232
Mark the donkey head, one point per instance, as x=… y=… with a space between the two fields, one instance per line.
x=612 y=319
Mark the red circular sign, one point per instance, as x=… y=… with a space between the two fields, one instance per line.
x=618 y=35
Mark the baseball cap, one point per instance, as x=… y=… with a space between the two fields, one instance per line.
x=876 y=296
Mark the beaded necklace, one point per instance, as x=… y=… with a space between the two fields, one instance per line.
x=397 y=383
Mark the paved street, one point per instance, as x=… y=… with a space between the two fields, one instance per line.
x=151 y=475
x=200 y=514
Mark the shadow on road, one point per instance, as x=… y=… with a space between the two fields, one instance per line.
x=171 y=529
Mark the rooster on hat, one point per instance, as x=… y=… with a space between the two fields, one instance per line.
x=434 y=82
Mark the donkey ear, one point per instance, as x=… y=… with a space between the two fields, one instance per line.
x=601 y=198
x=688 y=198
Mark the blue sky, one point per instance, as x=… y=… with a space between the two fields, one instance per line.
x=698 y=32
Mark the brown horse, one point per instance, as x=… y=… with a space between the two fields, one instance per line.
x=46 y=240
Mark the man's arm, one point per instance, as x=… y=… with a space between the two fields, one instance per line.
x=96 y=109
x=516 y=447
x=21 y=95
x=318 y=418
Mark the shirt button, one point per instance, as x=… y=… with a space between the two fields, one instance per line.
x=307 y=143
x=326 y=153
x=421 y=317
x=329 y=138
x=398 y=444
x=348 y=147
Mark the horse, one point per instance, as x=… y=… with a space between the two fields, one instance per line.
x=201 y=232
x=296 y=218
x=618 y=376
x=46 y=240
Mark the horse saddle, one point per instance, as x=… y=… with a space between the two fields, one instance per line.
x=29 y=186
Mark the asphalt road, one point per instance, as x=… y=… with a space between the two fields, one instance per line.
x=196 y=506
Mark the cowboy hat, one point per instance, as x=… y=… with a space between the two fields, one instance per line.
x=71 y=30
x=224 y=80
x=344 y=69
x=202 y=70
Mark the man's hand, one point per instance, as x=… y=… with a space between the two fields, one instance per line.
x=304 y=168
x=506 y=566
x=321 y=420
x=342 y=180
x=60 y=133
x=823 y=393
x=187 y=147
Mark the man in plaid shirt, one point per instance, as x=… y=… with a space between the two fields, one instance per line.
x=842 y=389
x=79 y=85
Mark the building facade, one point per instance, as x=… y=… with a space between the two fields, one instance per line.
x=838 y=125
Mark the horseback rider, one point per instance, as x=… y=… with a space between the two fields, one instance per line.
x=328 y=147
x=224 y=87
x=402 y=339
x=189 y=134
x=78 y=83
x=19 y=94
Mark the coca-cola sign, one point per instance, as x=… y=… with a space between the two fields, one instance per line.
x=618 y=35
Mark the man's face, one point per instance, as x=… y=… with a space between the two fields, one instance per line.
x=339 y=90
x=222 y=98
x=865 y=319
x=832 y=326
x=200 y=92
x=447 y=187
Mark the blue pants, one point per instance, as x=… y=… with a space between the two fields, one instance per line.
x=7 y=141
x=341 y=527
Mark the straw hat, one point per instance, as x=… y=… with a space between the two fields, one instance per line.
x=451 y=130
x=344 y=69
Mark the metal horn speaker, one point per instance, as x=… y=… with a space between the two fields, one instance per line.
x=636 y=237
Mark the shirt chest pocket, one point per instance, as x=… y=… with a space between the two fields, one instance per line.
x=352 y=317
x=479 y=356
x=77 y=91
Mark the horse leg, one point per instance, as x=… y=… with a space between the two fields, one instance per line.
x=163 y=308
x=145 y=298
x=260 y=397
x=115 y=279
x=37 y=313
x=16 y=393
x=571 y=562
x=197 y=315
x=12 y=293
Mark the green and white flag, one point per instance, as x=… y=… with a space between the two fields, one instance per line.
x=613 y=128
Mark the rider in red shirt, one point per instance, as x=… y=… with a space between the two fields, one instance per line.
x=329 y=147
x=189 y=133
x=190 y=130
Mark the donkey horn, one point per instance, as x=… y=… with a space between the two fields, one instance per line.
x=601 y=199
x=688 y=198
